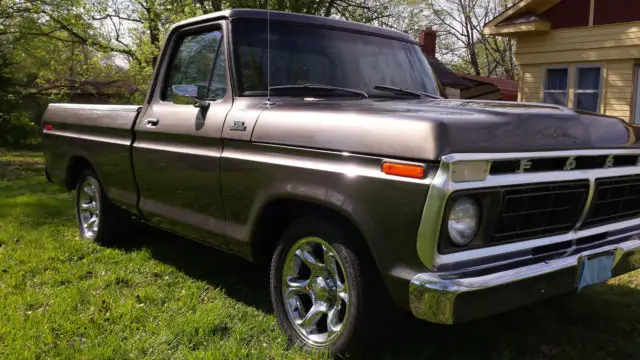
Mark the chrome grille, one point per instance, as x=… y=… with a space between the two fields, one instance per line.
x=540 y=210
x=614 y=199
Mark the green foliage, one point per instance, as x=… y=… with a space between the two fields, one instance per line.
x=16 y=128
x=18 y=131
x=53 y=45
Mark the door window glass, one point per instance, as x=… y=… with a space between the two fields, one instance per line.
x=199 y=61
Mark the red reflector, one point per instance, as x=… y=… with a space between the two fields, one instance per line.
x=48 y=127
x=405 y=170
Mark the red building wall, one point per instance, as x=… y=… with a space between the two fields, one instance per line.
x=616 y=11
x=572 y=13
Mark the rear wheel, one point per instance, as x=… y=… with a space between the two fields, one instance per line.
x=319 y=294
x=98 y=219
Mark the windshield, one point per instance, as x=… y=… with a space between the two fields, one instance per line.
x=306 y=54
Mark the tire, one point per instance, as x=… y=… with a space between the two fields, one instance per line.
x=98 y=219
x=320 y=238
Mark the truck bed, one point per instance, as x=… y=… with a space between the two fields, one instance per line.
x=99 y=134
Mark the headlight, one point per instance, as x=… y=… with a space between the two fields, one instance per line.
x=463 y=221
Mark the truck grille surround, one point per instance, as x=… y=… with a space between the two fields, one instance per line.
x=530 y=205
x=547 y=209
x=614 y=199
x=539 y=210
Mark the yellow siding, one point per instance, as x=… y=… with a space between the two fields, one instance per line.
x=532 y=77
x=618 y=89
x=595 y=43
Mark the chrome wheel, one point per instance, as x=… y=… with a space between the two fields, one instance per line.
x=89 y=208
x=315 y=291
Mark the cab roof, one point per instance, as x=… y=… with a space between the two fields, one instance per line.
x=298 y=18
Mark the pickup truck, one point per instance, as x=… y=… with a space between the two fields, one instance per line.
x=324 y=147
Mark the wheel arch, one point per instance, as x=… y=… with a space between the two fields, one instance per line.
x=276 y=214
x=76 y=164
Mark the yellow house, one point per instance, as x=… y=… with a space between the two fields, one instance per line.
x=583 y=54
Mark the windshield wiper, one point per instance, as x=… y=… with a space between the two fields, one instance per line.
x=320 y=87
x=394 y=89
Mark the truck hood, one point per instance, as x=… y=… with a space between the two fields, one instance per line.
x=425 y=129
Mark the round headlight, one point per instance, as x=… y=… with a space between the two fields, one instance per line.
x=463 y=221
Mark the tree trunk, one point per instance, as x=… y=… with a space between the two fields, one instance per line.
x=153 y=24
x=154 y=38
x=327 y=11
x=72 y=63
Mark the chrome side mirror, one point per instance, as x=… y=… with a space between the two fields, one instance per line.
x=188 y=95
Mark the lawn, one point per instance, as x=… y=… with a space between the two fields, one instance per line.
x=163 y=297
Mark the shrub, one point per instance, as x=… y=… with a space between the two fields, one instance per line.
x=18 y=131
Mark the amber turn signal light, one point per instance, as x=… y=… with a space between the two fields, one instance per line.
x=404 y=170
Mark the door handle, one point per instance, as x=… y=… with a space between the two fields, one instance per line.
x=151 y=122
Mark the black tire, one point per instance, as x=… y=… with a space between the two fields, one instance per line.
x=113 y=224
x=362 y=292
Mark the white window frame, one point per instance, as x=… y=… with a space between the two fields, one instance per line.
x=576 y=83
x=544 y=83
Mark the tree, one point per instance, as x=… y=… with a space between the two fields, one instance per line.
x=461 y=22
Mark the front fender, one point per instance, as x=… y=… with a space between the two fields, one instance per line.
x=385 y=209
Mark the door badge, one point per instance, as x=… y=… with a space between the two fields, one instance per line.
x=238 y=126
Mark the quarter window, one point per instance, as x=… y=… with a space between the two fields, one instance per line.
x=556 y=86
x=588 y=87
x=200 y=61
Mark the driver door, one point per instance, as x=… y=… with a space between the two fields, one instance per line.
x=176 y=153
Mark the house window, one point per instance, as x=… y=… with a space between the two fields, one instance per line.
x=556 y=86
x=587 y=91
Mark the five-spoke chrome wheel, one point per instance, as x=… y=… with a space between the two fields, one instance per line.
x=89 y=208
x=315 y=290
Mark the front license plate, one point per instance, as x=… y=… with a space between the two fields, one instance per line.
x=595 y=269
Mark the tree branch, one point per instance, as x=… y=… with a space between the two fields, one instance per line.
x=111 y=16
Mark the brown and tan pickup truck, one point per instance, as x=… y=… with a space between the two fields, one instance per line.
x=323 y=146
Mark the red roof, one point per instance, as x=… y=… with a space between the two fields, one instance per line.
x=508 y=88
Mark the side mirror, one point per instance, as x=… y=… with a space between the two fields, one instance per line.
x=189 y=95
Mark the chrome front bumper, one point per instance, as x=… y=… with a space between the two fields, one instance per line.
x=449 y=298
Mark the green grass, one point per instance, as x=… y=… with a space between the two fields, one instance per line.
x=163 y=297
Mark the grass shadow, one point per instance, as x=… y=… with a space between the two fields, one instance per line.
x=16 y=165
x=603 y=322
x=31 y=201
x=242 y=280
